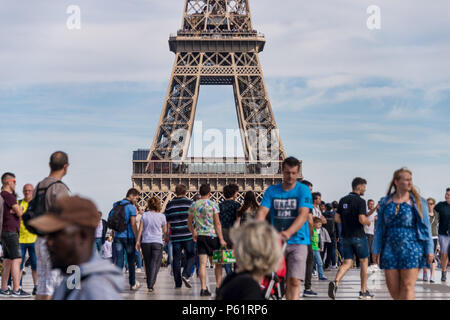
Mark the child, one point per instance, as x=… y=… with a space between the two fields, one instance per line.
x=107 y=249
x=315 y=246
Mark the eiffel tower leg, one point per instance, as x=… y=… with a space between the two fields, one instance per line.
x=175 y=125
x=255 y=114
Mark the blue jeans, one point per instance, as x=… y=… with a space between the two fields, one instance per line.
x=196 y=263
x=330 y=249
x=228 y=268
x=169 y=253
x=126 y=246
x=318 y=263
x=188 y=247
x=138 y=260
x=32 y=253
x=98 y=245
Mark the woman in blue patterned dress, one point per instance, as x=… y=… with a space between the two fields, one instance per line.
x=403 y=243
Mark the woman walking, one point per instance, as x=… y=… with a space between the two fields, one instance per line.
x=434 y=221
x=152 y=229
x=403 y=243
x=249 y=208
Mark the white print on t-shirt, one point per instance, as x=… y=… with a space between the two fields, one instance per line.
x=284 y=207
x=345 y=206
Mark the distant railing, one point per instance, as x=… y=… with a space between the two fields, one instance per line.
x=208 y=166
x=217 y=34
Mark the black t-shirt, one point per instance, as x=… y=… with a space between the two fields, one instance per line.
x=443 y=209
x=240 y=286
x=329 y=226
x=228 y=213
x=350 y=208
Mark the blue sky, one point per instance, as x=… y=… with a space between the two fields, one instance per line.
x=348 y=101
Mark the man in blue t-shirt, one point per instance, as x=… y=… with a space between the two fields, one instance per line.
x=125 y=242
x=288 y=205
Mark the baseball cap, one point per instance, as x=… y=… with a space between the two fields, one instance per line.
x=67 y=211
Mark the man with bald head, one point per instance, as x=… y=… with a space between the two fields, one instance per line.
x=26 y=238
x=52 y=188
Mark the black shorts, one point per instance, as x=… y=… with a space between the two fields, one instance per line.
x=207 y=245
x=11 y=246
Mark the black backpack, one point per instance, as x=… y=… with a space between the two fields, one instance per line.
x=37 y=208
x=116 y=218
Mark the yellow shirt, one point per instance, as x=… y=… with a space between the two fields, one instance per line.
x=25 y=236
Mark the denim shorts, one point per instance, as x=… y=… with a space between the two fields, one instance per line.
x=356 y=246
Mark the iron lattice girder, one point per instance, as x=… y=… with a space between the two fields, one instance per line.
x=217 y=15
x=216 y=46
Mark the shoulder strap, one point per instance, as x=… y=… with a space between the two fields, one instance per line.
x=69 y=291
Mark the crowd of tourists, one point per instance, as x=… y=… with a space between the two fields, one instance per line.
x=291 y=227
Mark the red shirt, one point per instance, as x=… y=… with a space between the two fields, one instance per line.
x=11 y=222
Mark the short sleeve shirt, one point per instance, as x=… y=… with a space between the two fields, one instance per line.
x=203 y=212
x=443 y=209
x=130 y=211
x=153 y=223
x=284 y=206
x=350 y=208
x=11 y=222
x=25 y=236
x=56 y=191
x=228 y=213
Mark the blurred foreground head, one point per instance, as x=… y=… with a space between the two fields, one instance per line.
x=257 y=247
x=70 y=227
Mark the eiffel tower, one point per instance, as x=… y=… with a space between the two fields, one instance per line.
x=216 y=45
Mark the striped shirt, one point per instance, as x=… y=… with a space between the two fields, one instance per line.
x=177 y=215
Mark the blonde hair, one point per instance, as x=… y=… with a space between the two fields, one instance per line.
x=396 y=177
x=257 y=247
x=154 y=204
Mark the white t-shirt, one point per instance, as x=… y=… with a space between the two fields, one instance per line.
x=371 y=229
x=316 y=212
x=107 y=250
x=153 y=223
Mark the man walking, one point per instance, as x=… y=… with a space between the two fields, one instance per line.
x=53 y=188
x=288 y=205
x=308 y=292
x=26 y=238
x=125 y=241
x=181 y=237
x=12 y=213
x=207 y=233
x=370 y=229
x=352 y=213
x=443 y=212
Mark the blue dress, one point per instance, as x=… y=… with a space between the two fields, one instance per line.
x=402 y=249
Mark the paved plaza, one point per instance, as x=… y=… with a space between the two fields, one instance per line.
x=348 y=290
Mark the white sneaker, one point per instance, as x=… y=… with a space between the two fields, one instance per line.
x=138 y=270
x=136 y=286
